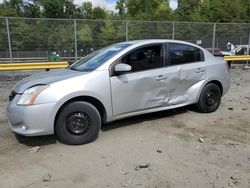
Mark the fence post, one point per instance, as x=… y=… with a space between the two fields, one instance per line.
x=173 y=31
x=249 y=37
x=248 y=44
x=9 y=39
x=75 y=39
x=214 y=35
x=127 y=30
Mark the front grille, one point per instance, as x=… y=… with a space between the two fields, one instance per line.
x=12 y=95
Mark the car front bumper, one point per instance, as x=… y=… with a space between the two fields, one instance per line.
x=34 y=120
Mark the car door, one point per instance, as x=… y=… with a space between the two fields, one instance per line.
x=145 y=86
x=191 y=70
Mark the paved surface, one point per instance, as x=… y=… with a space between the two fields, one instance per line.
x=180 y=148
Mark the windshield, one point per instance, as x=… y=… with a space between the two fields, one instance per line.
x=97 y=58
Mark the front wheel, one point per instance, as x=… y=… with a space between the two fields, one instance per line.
x=210 y=98
x=78 y=123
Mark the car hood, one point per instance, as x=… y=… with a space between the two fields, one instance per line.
x=45 y=78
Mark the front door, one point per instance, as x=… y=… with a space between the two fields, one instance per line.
x=145 y=86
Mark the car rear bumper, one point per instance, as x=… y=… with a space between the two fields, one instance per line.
x=32 y=120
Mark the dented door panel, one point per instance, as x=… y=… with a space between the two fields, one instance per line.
x=143 y=90
x=189 y=76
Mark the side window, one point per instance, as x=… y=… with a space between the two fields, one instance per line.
x=241 y=51
x=181 y=54
x=145 y=58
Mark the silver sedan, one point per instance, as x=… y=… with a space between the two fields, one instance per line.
x=122 y=80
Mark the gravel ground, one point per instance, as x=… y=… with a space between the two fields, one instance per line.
x=175 y=148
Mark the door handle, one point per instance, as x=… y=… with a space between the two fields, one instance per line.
x=199 y=70
x=161 y=77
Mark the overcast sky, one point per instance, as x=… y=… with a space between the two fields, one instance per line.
x=110 y=4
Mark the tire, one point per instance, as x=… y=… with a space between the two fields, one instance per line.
x=78 y=123
x=210 y=98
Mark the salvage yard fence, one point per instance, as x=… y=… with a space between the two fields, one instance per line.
x=35 y=39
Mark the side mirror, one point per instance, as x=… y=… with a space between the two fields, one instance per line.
x=122 y=68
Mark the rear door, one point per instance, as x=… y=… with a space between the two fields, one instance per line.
x=190 y=63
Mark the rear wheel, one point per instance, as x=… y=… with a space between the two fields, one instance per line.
x=210 y=98
x=78 y=123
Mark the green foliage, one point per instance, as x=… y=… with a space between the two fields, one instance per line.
x=121 y=8
x=7 y=10
x=86 y=10
x=31 y=10
x=84 y=36
x=188 y=10
x=52 y=35
x=225 y=10
x=148 y=9
x=98 y=13
x=58 y=8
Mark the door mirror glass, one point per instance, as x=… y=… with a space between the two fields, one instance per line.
x=122 y=68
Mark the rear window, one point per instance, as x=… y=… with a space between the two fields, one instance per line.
x=182 y=54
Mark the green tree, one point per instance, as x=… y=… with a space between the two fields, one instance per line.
x=17 y=5
x=144 y=9
x=224 y=11
x=98 y=13
x=7 y=11
x=188 y=10
x=84 y=36
x=121 y=8
x=31 y=9
x=10 y=9
x=58 y=8
x=86 y=10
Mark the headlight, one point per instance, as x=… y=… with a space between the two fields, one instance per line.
x=30 y=95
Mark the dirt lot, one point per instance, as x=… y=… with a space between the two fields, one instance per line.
x=179 y=148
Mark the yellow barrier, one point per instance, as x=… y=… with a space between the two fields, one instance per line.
x=237 y=58
x=33 y=66
x=36 y=58
x=24 y=58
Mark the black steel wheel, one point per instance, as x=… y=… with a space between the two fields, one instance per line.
x=210 y=98
x=78 y=123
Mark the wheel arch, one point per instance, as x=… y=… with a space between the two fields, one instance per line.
x=218 y=83
x=92 y=100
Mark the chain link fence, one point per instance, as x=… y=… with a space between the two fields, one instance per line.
x=31 y=40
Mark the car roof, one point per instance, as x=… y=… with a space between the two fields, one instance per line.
x=150 y=41
x=138 y=43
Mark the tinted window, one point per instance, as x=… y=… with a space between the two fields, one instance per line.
x=241 y=51
x=181 y=54
x=97 y=58
x=145 y=58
